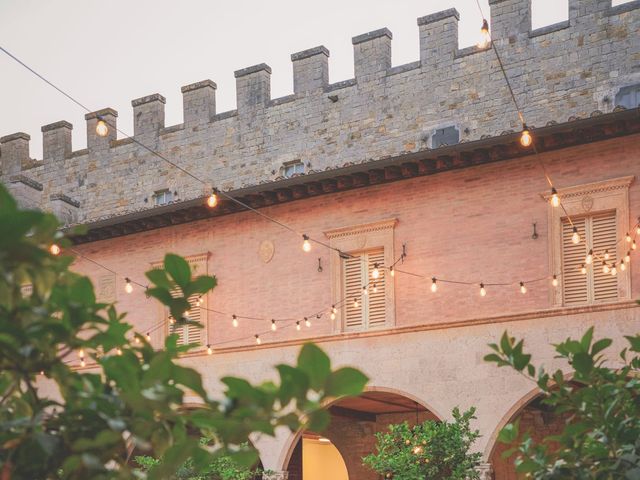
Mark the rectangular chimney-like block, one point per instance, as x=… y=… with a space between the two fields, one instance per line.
x=148 y=115
x=56 y=140
x=94 y=141
x=310 y=69
x=15 y=152
x=199 y=102
x=510 y=18
x=438 y=38
x=253 y=86
x=372 y=54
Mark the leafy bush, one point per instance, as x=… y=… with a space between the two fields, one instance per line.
x=430 y=450
x=601 y=404
x=133 y=395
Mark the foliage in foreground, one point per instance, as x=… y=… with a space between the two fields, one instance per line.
x=133 y=397
x=601 y=401
x=432 y=449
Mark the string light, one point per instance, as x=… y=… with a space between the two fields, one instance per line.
x=555 y=199
x=606 y=254
x=417 y=450
x=273 y=325
x=523 y=289
x=375 y=288
x=83 y=363
x=148 y=337
x=54 y=249
x=209 y=349
x=365 y=291
x=307 y=322
x=627 y=257
x=485 y=37
x=128 y=287
x=483 y=292
x=234 y=321
x=638 y=229
x=258 y=341
x=101 y=128
x=212 y=199
x=605 y=267
x=375 y=274
x=298 y=325
x=583 y=269
x=575 y=238
x=525 y=136
x=628 y=238
x=136 y=340
x=434 y=285
x=332 y=316
x=623 y=267
x=392 y=271
x=589 y=258
x=614 y=270
x=199 y=301
x=633 y=245
x=306 y=244
x=119 y=351
x=554 y=281
x=334 y=309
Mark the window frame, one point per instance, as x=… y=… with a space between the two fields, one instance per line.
x=358 y=239
x=164 y=192
x=293 y=164
x=588 y=200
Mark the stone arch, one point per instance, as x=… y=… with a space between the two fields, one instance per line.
x=292 y=442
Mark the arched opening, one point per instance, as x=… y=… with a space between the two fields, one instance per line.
x=351 y=435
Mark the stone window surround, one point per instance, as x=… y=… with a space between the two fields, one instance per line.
x=358 y=238
x=579 y=200
x=201 y=260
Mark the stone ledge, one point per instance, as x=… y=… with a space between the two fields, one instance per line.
x=407 y=67
x=253 y=69
x=311 y=52
x=26 y=181
x=436 y=17
x=623 y=7
x=15 y=136
x=472 y=50
x=556 y=27
x=366 y=37
x=64 y=198
x=154 y=97
x=101 y=113
x=198 y=85
x=338 y=85
x=56 y=126
x=282 y=100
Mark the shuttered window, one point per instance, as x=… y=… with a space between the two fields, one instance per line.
x=370 y=311
x=188 y=333
x=599 y=234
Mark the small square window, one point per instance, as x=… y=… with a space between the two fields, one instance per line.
x=445 y=136
x=162 y=197
x=629 y=97
x=291 y=169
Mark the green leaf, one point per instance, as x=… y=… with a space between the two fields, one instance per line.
x=160 y=278
x=582 y=362
x=178 y=268
x=600 y=345
x=315 y=363
x=346 y=381
x=201 y=285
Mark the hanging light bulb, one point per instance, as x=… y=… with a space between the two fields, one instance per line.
x=81 y=353
x=83 y=363
x=555 y=199
x=172 y=320
x=212 y=199
x=298 y=325
x=209 y=350
x=102 y=129
x=554 y=281
x=483 y=292
x=614 y=270
x=523 y=289
x=628 y=238
x=485 y=37
x=332 y=316
x=307 y=322
x=306 y=244
x=589 y=258
x=525 y=136
x=148 y=337
x=136 y=340
x=623 y=266
x=365 y=291
x=638 y=229
x=258 y=341
x=355 y=303
x=234 y=321
x=199 y=301
x=375 y=274
x=627 y=257
x=392 y=271
x=434 y=284
x=606 y=255
x=54 y=249
x=575 y=238
x=583 y=269
x=119 y=351
x=605 y=267
x=633 y=245
x=375 y=288
x=128 y=287
x=334 y=309
x=273 y=325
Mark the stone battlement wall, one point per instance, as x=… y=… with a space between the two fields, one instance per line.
x=569 y=69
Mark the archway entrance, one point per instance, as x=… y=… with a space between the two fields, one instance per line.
x=354 y=423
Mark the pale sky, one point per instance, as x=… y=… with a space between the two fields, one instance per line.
x=108 y=52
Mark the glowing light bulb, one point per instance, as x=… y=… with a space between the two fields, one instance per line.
x=172 y=320
x=628 y=238
x=199 y=301
x=583 y=269
x=128 y=287
x=605 y=267
x=365 y=291
x=334 y=309
x=298 y=325
x=212 y=200
x=555 y=199
x=606 y=255
x=258 y=341
x=332 y=316
x=148 y=337
x=306 y=244
x=209 y=350
x=554 y=281
x=623 y=266
x=234 y=321
x=575 y=238
x=102 y=129
x=307 y=322
x=83 y=363
x=523 y=289
x=355 y=303
x=483 y=292
x=392 y=271
x=375 y=288
x=434 y=285
x=485 y=37
x=525 y=137
x=136 y=340
x=614 y=270
x=638 y=229
x=627 y=257
x=119 y=351
x=273 y=326
x=375 y=273
x=55 y=249
x=81 y=353
x=633 y=245
x=589 y=258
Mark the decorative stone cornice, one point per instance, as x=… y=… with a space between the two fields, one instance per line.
x=591 y=188
x=362 y=228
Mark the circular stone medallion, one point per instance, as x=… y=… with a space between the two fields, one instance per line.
x=266 y=251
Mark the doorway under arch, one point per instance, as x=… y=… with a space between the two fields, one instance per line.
x=354 y=423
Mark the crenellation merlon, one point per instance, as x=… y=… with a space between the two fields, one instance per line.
x=372 y=54
x=56 y=141
x=96 y=143
x=15 y=152
x=438 y=16
x=510 y=19
x=438 y=39
x=148 y=115
x=310 y=69
x=253 y=87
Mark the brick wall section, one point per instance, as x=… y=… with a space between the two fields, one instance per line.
x=570 y=69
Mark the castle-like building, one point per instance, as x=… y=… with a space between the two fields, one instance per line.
x=418 y=167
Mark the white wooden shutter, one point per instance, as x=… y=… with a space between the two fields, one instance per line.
x=352 y=287
x=376 y=302
x=189 y=333
x=575 y=284
x=603 y=234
